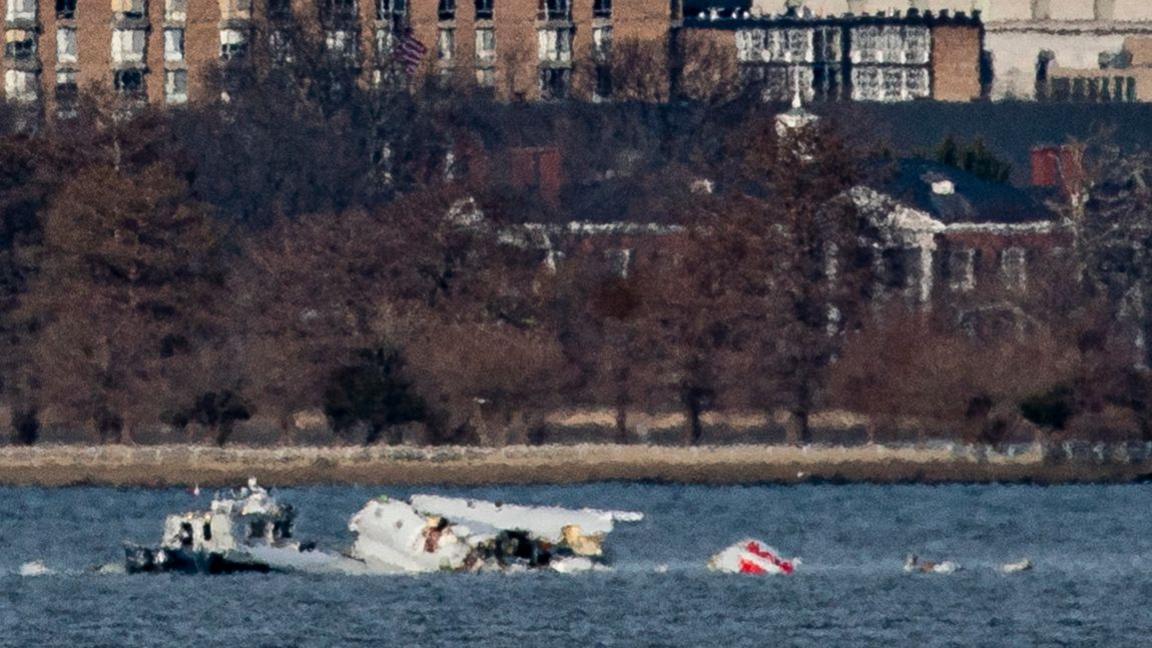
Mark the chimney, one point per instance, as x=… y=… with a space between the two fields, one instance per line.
x=1058 y=166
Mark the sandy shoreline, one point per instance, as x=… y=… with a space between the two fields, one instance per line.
x=209 y=466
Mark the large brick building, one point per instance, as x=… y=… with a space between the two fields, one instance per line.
x=164 y=51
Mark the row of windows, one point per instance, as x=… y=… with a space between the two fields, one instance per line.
x=174 y=10
x=24 y=86
x=554 y=45
x=1094 y=89
x=827 y=81
x=330 y=10
x=903 y=44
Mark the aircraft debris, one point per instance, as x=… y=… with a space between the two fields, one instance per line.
x=751 y=556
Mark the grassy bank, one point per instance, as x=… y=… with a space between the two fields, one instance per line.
x=208 y=466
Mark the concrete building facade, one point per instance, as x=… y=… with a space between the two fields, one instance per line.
x=1020 y=33
x=894 y=57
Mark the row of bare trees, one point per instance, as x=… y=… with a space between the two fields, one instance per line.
x=313 y=245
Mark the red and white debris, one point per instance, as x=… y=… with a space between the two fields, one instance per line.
x=751 y=556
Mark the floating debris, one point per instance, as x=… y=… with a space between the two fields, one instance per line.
x=913 y=564
x=1016 y=567
x=432 y=533
x=35 y=568
x=751 y=556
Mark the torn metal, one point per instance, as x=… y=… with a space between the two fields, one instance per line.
x=433 y=533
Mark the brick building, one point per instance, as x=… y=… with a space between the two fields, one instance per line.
x=162 y=50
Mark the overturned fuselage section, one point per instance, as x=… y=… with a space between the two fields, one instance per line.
x=432 y=533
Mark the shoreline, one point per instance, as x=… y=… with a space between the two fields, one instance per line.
x=157 y=466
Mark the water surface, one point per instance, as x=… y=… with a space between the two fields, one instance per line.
x=1092 y=546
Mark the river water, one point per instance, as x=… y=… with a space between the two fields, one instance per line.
x=1092 y=547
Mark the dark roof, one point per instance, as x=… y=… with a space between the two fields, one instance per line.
x=974 y=200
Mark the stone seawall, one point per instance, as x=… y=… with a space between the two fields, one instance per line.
x=209 y=466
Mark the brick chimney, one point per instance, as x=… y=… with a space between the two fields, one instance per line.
x=1058 y=166
x=537 y=168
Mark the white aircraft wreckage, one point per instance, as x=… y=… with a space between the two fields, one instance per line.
x=431 y=533
x=752 y=557
x=913 y=564
x=250 y=531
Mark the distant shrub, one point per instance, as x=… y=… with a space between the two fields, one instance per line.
x=1051 y=409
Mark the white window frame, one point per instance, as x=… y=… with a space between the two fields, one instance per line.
x=128 y=45
x=174 y=45
x=445 y=44
x=230 y=39
x=21 y=10
x=21 y=86
x=555 y=45
x=486 y=45
x=171 y=93
x=235 y=10
x=66 y=45
x=175 y=10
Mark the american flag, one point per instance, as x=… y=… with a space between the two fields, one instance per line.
x=409 y=51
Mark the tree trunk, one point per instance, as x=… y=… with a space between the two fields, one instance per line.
x=622 y=423
x=695 y=425
x=125 y=436
x=223 y=432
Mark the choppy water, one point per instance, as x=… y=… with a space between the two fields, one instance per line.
x=1092 y=546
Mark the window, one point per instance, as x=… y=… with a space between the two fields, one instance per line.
x=21 y=10
x=1013 y=265
x=128 y=8
x=866 y=84
x=338 y=11
x=602 y=42
x=175 y=10
x=916 y=44
x=603 y=89
x=798 y=45
x=484 y=9
x=173 y=45
x=962 y=270
x=20 y=85
x=341 y=44
x=384 y=44
x=826 y=46
x=129 y=83
x=555 y=45
x=66 y=45
x=445 y=44
x=486 y=45
x=486 y=77
x=916 y=83
x=235 y=9
x=601 y=8
x=233 y=44
x=20 y=44
x=65 y=9
x=865 y=44
x=389 y=9
x=280 y=46
x=176 y=92
x=128 y=45
x=279 y=9
x=446 y=10
x=554 y=82
x=66 y=94
x=555 y=10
